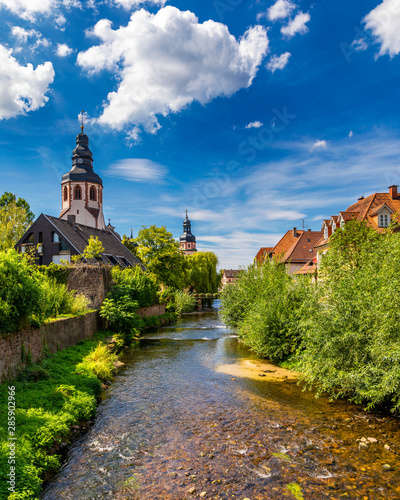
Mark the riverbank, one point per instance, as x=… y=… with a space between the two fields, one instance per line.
x=252 y=369
x=54 y=401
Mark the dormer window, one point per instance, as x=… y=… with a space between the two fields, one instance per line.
x=384 y=220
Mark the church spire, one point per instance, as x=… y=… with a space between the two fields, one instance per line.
x=187 y=241
x=82 y=188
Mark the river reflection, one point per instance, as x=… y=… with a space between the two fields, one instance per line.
x=174 y=426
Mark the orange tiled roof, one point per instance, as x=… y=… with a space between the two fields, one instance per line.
x=262 y=254
x=303 y=249
x=285 y=243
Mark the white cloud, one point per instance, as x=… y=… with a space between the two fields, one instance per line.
x=296 y=25
x=255 y=124
x=278 y=62
x=351 y=133
x=280 y=10
x=319 y=145
x=384 y=22
x=360 y=44
x=22 y=88
x=129 y=4
x=30 y=9
x=63 y=50
x=138 y=170
x=22 y=35
x=166 y=61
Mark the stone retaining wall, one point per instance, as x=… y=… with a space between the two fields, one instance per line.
x=157 y=310
x=52 y=337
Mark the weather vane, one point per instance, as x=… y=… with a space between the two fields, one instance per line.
x=82 y=117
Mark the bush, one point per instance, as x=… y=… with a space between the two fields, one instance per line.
x=140 y=286
x=100 y=361
x=20 y=292
x=266 y=305
x=184 y=302
x=28 y=296
x=351 y=335
x=120 y=312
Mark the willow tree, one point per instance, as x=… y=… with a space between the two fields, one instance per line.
x=202 y=272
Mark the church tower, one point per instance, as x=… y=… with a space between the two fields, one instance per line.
x=187 y=241
x=82 y=188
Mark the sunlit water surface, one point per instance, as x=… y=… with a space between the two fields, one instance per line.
x=171 y=422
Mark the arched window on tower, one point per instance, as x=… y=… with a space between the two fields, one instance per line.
x=65 y=193
x=78 y=193
x=93 y=193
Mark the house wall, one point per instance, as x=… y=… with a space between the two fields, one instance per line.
x=292 y=268
x=51 y=337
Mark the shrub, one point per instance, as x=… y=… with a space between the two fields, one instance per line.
x=140 y=286
x=100 y=361
x=184 y=302
x=120 y=312
x=266 y=305
x=19 y=292
x=351 y=334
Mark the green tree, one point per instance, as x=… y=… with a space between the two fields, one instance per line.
x=14 y=221
x=10 y=198
x=160 y=253
x=266 y=306
x=130 y=244
x=94 y=248
x=351 y=339
x=202 y=272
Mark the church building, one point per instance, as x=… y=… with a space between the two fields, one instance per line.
x=57 y=239
x=82 y=188
x=187 y=241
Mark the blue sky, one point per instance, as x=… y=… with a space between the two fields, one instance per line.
x=253 y=115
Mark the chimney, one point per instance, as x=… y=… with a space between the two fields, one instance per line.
x=71 y=219
x=393 y=192
x=309 y=230
x=295 y=232
x=360 y=198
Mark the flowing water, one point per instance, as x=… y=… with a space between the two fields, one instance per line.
x=192 y=414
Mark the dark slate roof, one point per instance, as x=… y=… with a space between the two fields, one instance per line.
x=82 y=163
x=79 y=235
x=188 y=237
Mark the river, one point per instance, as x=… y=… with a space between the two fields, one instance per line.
x=193 y=414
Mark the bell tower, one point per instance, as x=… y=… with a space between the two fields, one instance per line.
x=82 y=188
x=187 y=241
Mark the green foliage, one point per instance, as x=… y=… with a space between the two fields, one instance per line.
x=51 y=396
x=20 y=292
x=120 y=311
x=100 y=362
x=351 y=335
x=184 y=302
x=94 y=248
x=159 y=252
x=29 y=297
x=8 y=199
x=139 y=285
x=266 y=305
x=201 y=272
x=130 y=244
x=15 y=218
x=57 y=272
